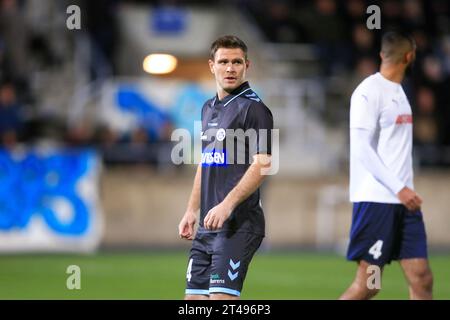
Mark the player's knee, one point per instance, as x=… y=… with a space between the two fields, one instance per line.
x=223 y=296
x=423 y=279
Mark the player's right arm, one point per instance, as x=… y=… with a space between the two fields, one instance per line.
x=187 y=223
x=364 y=115
x=362 y=150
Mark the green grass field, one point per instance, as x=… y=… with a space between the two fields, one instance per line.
x=162 y=276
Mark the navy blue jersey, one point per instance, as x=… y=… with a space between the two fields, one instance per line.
x=233 y=130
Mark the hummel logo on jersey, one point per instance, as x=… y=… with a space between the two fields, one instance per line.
x=214 y=158
x=404 y=119
x=253 y=96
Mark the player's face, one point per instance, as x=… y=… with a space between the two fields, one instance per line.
x=229 y=68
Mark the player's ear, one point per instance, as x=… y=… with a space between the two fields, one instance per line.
x=247 y=64
x=404 y=58
x=409 y=57
x=211 y=65
x=381 y=55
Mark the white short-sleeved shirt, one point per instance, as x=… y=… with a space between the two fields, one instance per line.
x=381 y=106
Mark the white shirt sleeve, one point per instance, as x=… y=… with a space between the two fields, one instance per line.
x=362 y=150
x=364 y=109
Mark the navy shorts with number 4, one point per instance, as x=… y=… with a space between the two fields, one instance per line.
x=218 y=262
x=383 y=232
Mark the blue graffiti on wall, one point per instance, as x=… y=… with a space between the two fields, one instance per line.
x=29 y=186
x=184 y=111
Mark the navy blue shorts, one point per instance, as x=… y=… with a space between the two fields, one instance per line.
x=383 y=232
x=218 y=262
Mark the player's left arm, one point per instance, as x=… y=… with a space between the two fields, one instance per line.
x=258 y=117
x=249 y=183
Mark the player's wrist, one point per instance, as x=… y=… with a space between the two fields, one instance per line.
x=229 y=204
x=398 y=187
x=191 y=212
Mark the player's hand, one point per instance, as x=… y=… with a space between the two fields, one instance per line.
x=217 y=216
x=186 y=226
x=410 y=199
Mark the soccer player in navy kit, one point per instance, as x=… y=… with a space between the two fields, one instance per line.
x=387 y=222
x=226 y=185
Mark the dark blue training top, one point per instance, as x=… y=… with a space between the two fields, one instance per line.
x=234 y=129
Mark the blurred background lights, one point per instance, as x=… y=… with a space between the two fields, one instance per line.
x=159 y=63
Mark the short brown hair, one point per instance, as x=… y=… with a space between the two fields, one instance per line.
x=396 y=43
x=229 y=42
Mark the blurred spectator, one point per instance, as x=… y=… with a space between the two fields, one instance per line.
x=326 y=29
x=107 y=137
x=14 y=34
x=414 y=18
x=279 y=24
x=355 y=12
x=276 y=19
x=363 y=43
x=14 y=58
x=432 y=70
x=423 y=45
x=426 y=129
x=139 y=137
x=364 y=67
x=101 y=24
x=391 y=11
x=439 y=15
x=444 y=53
x=425 y=124
x=11 y=118
x=81 y=134
x=4 y=65
x=439 y=82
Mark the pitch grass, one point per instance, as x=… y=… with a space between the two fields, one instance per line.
x=157 y=275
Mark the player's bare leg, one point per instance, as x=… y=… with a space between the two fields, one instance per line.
x=196 y=297
x=420 y=278
x=359 y=289
x=223 y=296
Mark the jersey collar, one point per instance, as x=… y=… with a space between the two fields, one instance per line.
x=244 y=87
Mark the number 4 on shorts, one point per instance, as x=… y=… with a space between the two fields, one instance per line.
x=189 y=269
x=375 y=250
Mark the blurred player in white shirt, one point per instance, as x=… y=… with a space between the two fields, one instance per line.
x=387 y=222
